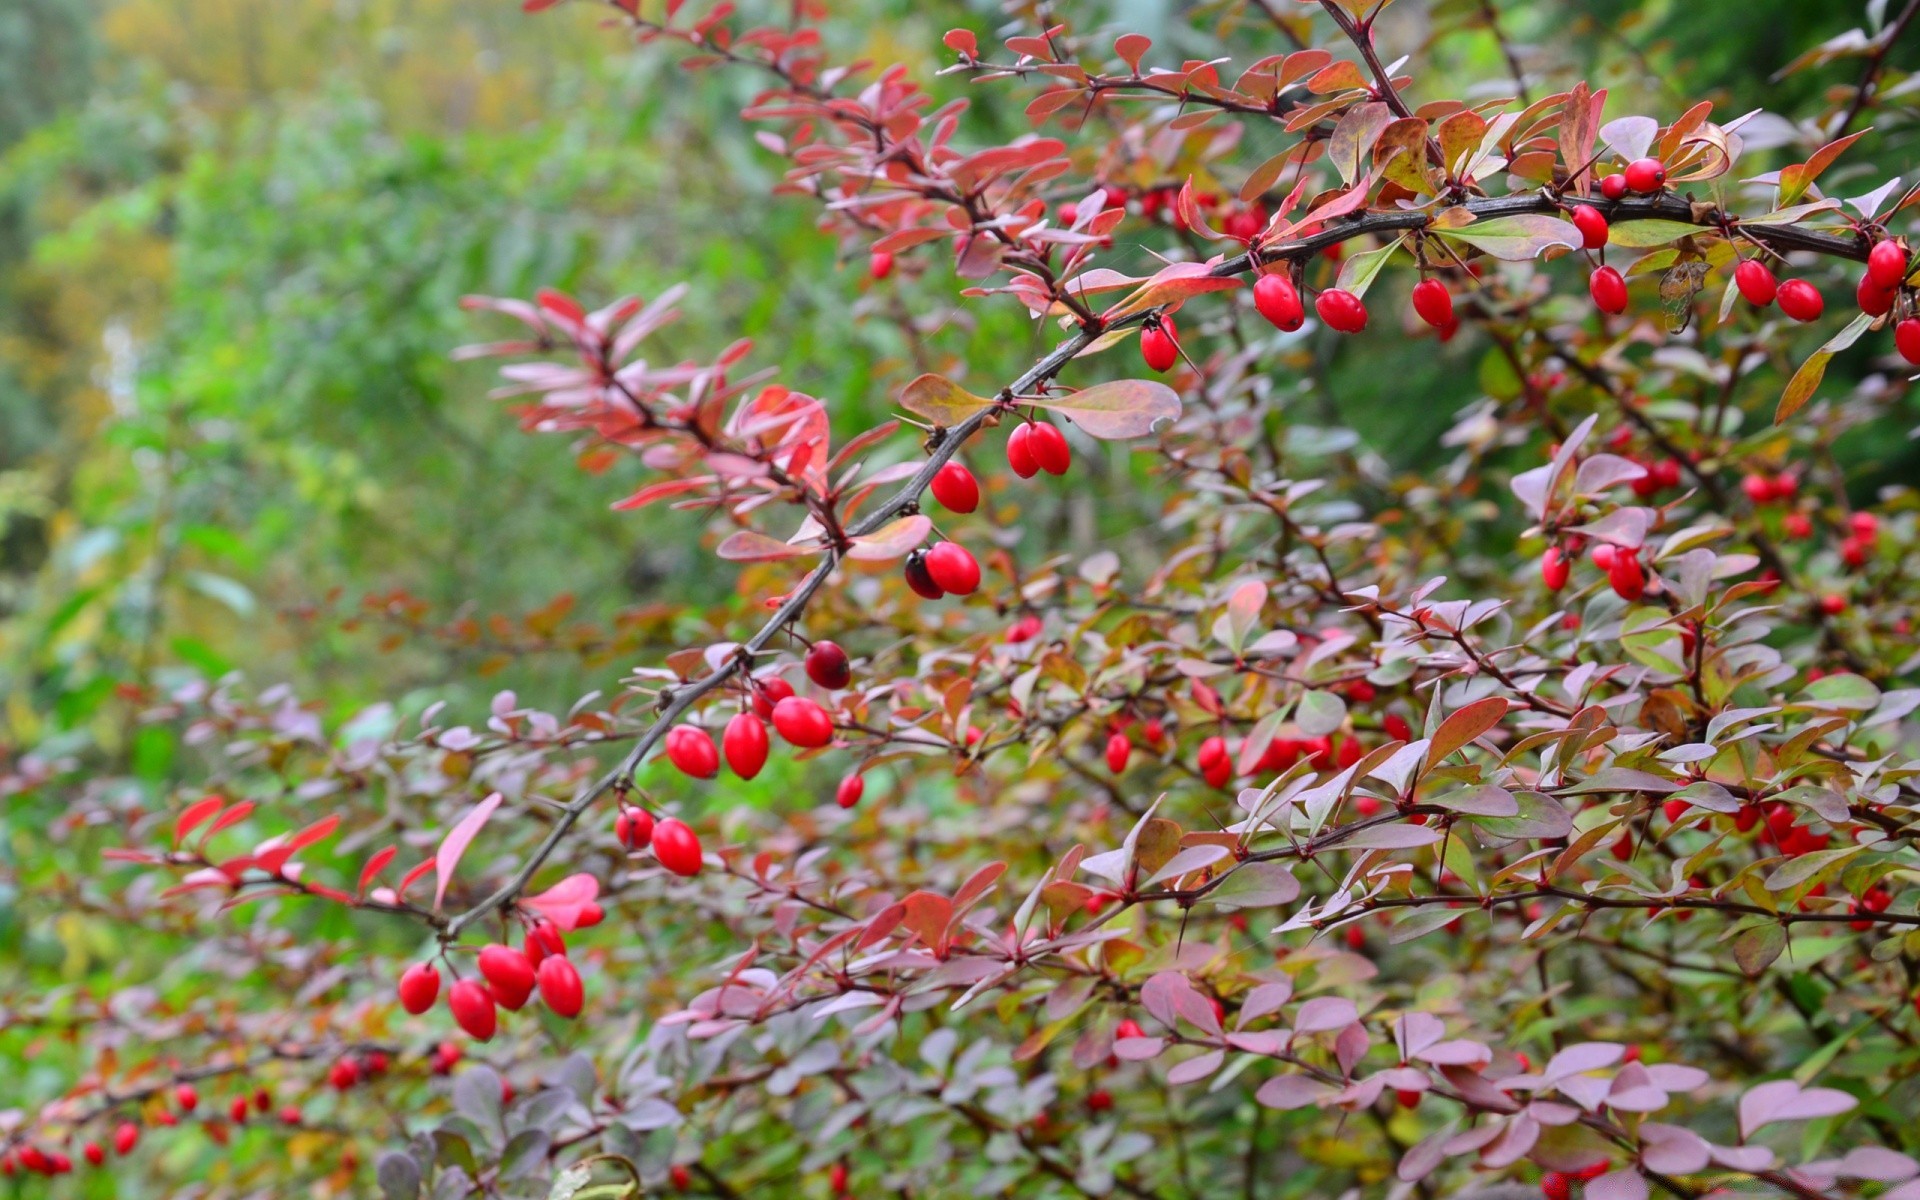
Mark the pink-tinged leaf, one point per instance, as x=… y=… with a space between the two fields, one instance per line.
x=927 y=915
x=1394 y=836
x=1323 y=1013
x=941 y=400
x=412 y=877
x=374 y=865
x=455 y=844
x=1465 y=724
x=115 y=854
x=977 y=885
x=1519 y=238
x=1630 y=137
x=961 y=41
x=749 y=545
x=1288 y=1092
x=196 y=812
x=1603 y=471
x=1160 y=996
x=1419 y=1162
x=566 y=901
x=1878 y=1164
x=1622 y=527
x=1194 y=1069
x=891 y=540
x=1785 y=1100
x=205 y=877
x=1580 y=1058
x=1170 y=285
x=228 y=819
x=1672 y=1150
x=663 y=490
x=1121 y=408
x=1618 y=1185
x=330 y=893
x=1132 y=47
x=1743 y=1158
x=1264 y=1000
x=1138 y=1049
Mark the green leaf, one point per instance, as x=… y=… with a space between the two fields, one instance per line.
x=1807 y=379
x=1756 y=947
x=1358 y=273
x=1640 y=234
x=941 y=400
x=1518 y=238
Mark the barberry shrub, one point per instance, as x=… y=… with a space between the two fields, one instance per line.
x=1546 y=820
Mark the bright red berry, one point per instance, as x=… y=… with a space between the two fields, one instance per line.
x=1614 y=186
x=690 y=748
x=880 y=264
x=919 y=578
x=956 y=489
x=560 y=988
x=1050 y=449
x=186 y=1097
x=1555 y=1186
x=1906 y=339
x=419 y=987
x=682 y=1178
x=953 y=568
x=1119 y=750
x=1646 y=175
x=1801 y=301
x=1887 y=265
x=801 y=722
x=745 y=745
x=1609 y=291
x=472 y=1008
x=509 y=975
x=771 y=691
x=1627 y=576
x=676 y=847
x=1591 y=224
x=634 y=828
x=1833 y=604
x=126 y=1135
x=290 y=1114
x=1160 y=345
x=543 y=937
x=1342 y=311
x=1756 y=282
x=1874 y=300
x=1276 y=299
x=850 y=790
x=94 y=1154
x=1434 y=303
x=1797 y=526
x=343 y=1074
x=1554 y=569
x=1020 y=454
x=828 y=666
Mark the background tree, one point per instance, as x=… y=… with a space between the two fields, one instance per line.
x=1380 y=667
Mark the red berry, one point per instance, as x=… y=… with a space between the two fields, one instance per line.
x=186 y=1097
x=290 y=1114
x=1100 y=1101
x=827 y=665
x=1609 y=291
x=1646 y=175
x=1279 y=302
x=801 y=722
x=919 y=578
x=344 y=1074
x=771 y=691
x=509 y=975
x=94 y=1153
x=956 y=489
x=419 y=987
x=690 y=748
x=634 y=828
x=1397 y=727
x=1614 y=186
x=560 y=988
x=1554 y=569
x=1555 y=1186
x=1591 y=224
x=1341 y=310
x=1887 y=265
x=953 y=568
x=1628 y=577
x=1603 y=553
x=1833 y=604
x=1801 y=301
x=1874 y=300
x=745 y=745
x=1050 y=448
x=837 y=1179
x=880 y=265
x=1119 y=750
x=590 y=914
x=1025 y=629
x=1160 y=345
x=543 y=938
x=472 y=1007
x=1756 y=282
x=1797 y=526
x=850 y=790
x=1906 y=339
x=682 y=1178
x=126 y=1135
x=1020 y=450
x=1128 y=1028
x=263 y=1099
x=1864 y=525
x=676 y=847
x=1434 y=302
x=1758 y=487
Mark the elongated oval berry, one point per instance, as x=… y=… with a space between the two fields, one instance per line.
x=419 y=988
x=828 y=666
x=802 y=722
x=1554 y=569
x=1433 y=302
x=1159 y=345
x=1646 y=175
x=472 y=1008
x=560 y=987
x=676 y=847
x=1119 y=750
x=508 y=973
x=1801 y=300
x=634 y=828
x=953 y=568
x=1609 y=291
x=1887 y=264
x=1020 y=454
x=1342 y=311
x=1212 y=750
x=1614 y=186
x=1276 y=299
x=1874 y=300
x=186 y=1097
x=126 y=1135
x=690 y=748
x=1906 y=339
x=745 y=745
x=543 y=937
x=1603 y=553
x=1050 y=448
x=919 y=578
x=956 y=489
x=850 y=790
x=1756 y=282
x=880 y=264
x=1591 y=224
x=1627 y=576
x=771 y=691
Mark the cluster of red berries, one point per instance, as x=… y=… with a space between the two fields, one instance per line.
x=126 y=1134
x=346 y=1072
x=510 y=978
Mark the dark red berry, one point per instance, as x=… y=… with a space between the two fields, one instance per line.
x=919 y=578
x=850 y=790
x=828 y=666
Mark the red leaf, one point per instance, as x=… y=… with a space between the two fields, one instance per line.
x=228 y=819
x=313 y=833
x=447 y=857
x=196 y=812
x=749 y=546
x=412 y=877
x=379 y=860
x=660 y=491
